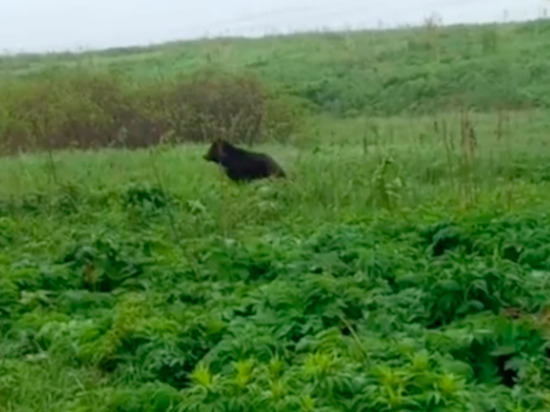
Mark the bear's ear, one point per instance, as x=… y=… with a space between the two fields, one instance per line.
x=213 y=152
x=220 y=147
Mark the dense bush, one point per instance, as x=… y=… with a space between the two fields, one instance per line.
x=88 y=108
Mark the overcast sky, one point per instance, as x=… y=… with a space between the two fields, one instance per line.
x=56 y=25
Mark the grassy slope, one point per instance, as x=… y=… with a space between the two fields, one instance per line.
x=366 y=72
x=373 y=280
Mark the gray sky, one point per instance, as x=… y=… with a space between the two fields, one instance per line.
x=56 y=25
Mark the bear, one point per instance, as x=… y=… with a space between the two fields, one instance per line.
x=242 y=165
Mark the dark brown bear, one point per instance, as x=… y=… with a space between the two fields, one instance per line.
x=242 y=165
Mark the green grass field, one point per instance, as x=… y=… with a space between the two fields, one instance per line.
x=404 y=265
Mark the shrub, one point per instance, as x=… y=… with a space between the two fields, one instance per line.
x=88 y=108
x=209 y=105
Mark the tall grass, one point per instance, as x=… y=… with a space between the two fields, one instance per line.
x=336 y=167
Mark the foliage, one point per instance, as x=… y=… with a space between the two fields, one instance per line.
x=214 y=296
x=91 y=108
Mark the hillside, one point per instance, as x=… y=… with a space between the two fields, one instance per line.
x=381 y=73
